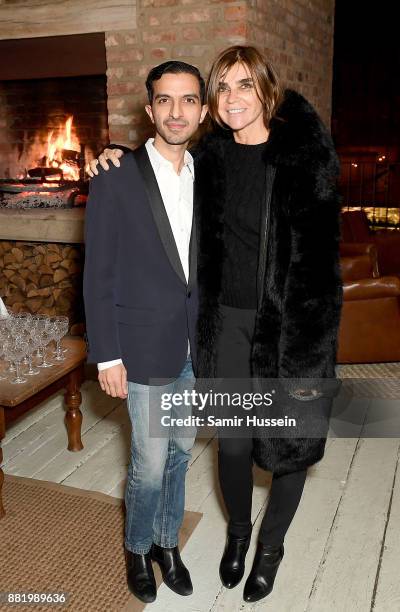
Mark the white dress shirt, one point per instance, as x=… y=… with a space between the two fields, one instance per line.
x=177 y=194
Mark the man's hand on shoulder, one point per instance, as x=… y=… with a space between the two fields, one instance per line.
x=113 y=155
x=113 y=381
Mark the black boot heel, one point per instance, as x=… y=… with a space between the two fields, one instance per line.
x=261 y=579
x=140 y=576
x=231 y=568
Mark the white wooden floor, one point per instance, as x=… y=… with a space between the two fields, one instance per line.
x=342 y=550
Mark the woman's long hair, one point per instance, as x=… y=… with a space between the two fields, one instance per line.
x=264 y=75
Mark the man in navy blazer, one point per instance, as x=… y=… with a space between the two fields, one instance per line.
x=140 y=297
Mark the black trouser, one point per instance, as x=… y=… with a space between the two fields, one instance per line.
x=235 y=453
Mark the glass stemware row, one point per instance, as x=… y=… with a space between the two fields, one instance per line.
x=24 y=339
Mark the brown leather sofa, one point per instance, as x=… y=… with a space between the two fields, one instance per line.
x=370 y=322
x=355 y=228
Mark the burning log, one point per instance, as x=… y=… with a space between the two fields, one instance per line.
x=45 y=173
x=70 y=155
x=58 y=181
x=64 y=152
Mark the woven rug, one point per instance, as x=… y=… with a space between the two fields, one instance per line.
x=369 y=370
x=373 y=380
x=57 y=539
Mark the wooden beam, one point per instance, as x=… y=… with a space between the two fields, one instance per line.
x=47 y=56
x=32 y=18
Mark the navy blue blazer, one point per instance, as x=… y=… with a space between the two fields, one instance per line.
x=138 y=304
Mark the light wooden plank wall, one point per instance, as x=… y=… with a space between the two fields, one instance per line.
x=33 y=18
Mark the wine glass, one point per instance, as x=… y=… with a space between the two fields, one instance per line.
x=39 y=320
x=61 y=324
x=3 y=319
x=23 y=323
x=45 y=336
x=4 y=334
x=17 y=349
x=10 y=325
x=18 y=332
x=24 y=319
x=33 y=341
x=11 y=322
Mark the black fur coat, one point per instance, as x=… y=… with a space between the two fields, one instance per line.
x=297 y=323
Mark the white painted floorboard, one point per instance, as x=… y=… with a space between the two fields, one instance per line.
x=342 y=551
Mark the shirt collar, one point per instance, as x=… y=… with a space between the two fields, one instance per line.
x=159 y=160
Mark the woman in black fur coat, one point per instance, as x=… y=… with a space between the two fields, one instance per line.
x=267 y=215
x=270 y=288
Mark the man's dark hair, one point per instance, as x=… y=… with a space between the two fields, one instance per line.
x=173 y=67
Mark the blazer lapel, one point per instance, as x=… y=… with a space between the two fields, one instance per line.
x=158 y=210
x=193 y=247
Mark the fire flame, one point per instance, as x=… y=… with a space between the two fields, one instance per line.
x=56 y=144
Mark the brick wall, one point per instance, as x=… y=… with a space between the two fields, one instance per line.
x=178 y=29
x=297 y=34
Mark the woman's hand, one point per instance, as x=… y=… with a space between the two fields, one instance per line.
x=112 y=155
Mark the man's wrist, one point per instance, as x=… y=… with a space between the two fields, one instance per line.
x=104 y=365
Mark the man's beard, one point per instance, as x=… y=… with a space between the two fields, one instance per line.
x=171 y=138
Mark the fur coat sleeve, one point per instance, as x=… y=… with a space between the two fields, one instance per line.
x=312 y=294
x=313 y=291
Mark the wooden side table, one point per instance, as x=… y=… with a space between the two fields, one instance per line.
x=15 y=400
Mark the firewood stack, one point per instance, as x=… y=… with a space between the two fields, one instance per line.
x=45 y=278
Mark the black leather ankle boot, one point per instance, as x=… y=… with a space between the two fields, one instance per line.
x=175 y=575
x=231 y=568
x=140 y=576
x=260 y=582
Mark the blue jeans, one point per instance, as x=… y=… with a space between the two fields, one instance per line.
x=155 y=488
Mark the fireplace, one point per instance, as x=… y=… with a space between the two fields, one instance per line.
x=53 y=120
x=51 y=125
